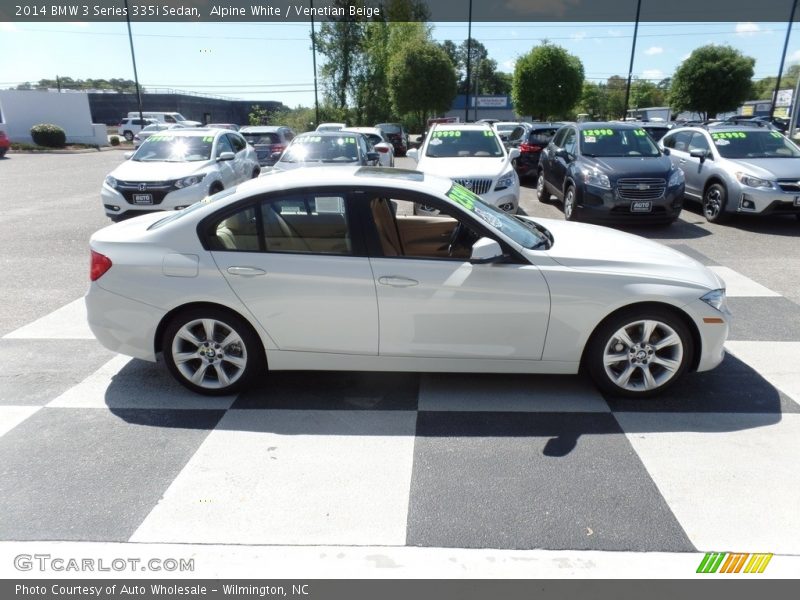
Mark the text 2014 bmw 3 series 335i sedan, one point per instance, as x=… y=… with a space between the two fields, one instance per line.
x=291 y=272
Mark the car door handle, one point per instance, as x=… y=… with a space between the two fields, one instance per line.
x=682 y=161
x=398 y=281
x=246 y=271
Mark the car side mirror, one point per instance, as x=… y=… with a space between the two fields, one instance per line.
x=701 y=154
x=413 y=154
x=513 y=153
x=226 y=156
x=665 y=151
x=127 y=155
x=373 y=157
x=562 y=153
x=485 y=250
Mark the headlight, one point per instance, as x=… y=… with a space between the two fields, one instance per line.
x=595 y=178
x=676 y=178
x=111 y=182
x=718 y=300
x=189 y=181
x=756 y=182
x=505 y=181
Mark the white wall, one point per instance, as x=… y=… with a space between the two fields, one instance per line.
x=22 y=109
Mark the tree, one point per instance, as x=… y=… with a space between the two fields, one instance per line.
x=340 y=40
x=645 y=93
x=764 y=88
x=615 y=97
x=713 y=79
x=422 y=81
x=548 y=82
x=593 y=100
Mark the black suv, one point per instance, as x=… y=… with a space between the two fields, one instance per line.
x=533 y=138
x=610 y=172
x=397 y=136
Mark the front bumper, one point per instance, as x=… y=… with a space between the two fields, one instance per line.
x=599 y=204
x=761 y=201
x=116 y=204
x=713 y=327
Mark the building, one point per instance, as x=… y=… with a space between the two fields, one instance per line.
x=486 y=107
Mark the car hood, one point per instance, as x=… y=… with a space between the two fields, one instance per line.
x=603 y=249
x=288 y=166
x=467 y=166
x=132 y=170
x=769 y=168
x=631 y=166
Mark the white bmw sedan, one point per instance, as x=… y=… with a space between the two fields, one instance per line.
x=292 y=272
x=174 y=168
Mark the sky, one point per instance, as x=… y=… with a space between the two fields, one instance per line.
x=272 y=61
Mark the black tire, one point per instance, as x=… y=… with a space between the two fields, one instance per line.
x=238 y=361
x=644 y=357
x=570 y=204
x=715 y=199
x=128 y=135
x=542 y=195
x=3 y=152
x=256 y=172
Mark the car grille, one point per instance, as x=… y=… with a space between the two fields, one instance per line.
x=478 y=186
x=159 y=189
x=789 y=185
x=641 y=189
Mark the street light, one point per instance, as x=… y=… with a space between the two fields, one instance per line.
x=133 y=58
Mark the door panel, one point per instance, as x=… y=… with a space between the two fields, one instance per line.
x=454 y=309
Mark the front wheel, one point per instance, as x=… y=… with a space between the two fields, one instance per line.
x=570 y=210
x=128 y=135
x=639 y=353
x=211 y=351
x=714 y=202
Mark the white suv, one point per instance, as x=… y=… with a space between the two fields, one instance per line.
x=130 y=126
x=474 y=156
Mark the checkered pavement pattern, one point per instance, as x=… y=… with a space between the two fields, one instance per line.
x=99 y=447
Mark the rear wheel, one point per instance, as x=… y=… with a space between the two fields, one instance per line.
x=714 y=201
x=212 y=351
x=128 y=135
x=639 y=353
x=541 y=191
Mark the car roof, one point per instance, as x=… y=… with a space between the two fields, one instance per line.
x=463 y=126
x=262 y=129
x=337 y=133
x=195 y=131
x=607 y=125
x=360 y=130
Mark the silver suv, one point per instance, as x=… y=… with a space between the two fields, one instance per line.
x=737 y=169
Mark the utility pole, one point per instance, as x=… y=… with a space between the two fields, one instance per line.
x=58 y=84
x=469 y=57
x=133 y=58
x=314 y=59
x=783 y=58
x=633 y=52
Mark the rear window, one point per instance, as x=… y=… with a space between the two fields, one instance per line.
x=389 y=127
x=541 y=136
x=262 y=138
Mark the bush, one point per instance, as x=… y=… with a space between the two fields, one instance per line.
x=50 y=136
x=114 y=140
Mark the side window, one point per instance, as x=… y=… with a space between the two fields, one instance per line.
x=288 y=134
x=516 y=134
x=681 y=141
x=558 y=141
x=237 y=232
x=365 y=147
x=313 y=224
x=570 y=141
x=699 y=142
x=169 y=119
x=668 y=141
x=223 y=145
x=237 y=142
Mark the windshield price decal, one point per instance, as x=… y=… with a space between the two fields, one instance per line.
x=161 y=138
x=440 y=134
x=208 y=138
x=597 y=132
x=488 y=133
x=728 y=135
x=639 y=132
x=458 y=193
x=313 y=139
x=775 y=134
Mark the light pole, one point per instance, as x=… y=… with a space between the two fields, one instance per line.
x=783 y=58
x=133 y=58
x=469 y=61
x=314 y=59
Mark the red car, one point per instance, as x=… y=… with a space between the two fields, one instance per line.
x=5 y=144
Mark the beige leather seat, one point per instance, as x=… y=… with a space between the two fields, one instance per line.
x=387 y=227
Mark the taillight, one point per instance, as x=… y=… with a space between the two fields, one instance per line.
x=529 y=148
x=100 y=264
x=382 y=149
x=277 y=148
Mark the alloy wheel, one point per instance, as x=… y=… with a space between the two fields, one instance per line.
x=209 y=353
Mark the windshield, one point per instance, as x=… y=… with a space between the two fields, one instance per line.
x=754 y=144
x=464 y=143
x=257 y=139
x=617 y=142
x=388 y=127
x=173 y=148
x=525 y=234
x=319 y=148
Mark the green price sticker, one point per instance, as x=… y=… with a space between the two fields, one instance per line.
x=488 y=133
x=458 y=193
x=445 y=134
x=639 y=132
x=597 y=132
x=208 y=138
x=729 y=135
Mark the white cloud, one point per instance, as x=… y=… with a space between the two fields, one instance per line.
x=578 y=36
x=509 y=64
x=794 y=56
x=654 y=50
x=652 y=74
x=747 y=28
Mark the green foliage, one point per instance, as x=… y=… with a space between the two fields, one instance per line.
x=593 y=100
x=50 y=136
x=713 y=79
x=113 y=140
x=68 y=83
x=764 y=88
x=548 y=82
x=645 y=93
x=422 y=81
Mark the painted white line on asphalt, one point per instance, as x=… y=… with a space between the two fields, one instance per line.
x=293 y=477
x=11 y=416
x=66 y=323
x=306 y=563
x=737 y=284
x=777 y=362
x=730 y=479
x=125 y=382
x=512 y=393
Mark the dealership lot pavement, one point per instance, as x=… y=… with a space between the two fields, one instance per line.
x=98 y=447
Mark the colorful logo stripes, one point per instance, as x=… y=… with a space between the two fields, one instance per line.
x=732 y=562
